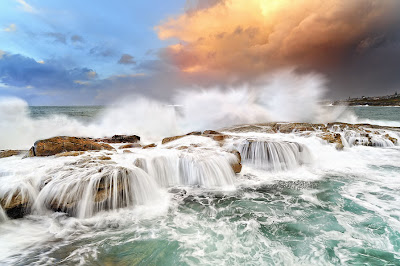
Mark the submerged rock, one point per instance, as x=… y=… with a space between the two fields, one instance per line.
x=57 y=145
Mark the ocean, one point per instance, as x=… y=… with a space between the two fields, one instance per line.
x=321 y=206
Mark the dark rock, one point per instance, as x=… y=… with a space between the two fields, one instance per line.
x=122 y=139
x=211 y=132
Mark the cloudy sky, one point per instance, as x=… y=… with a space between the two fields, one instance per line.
x=94 y=52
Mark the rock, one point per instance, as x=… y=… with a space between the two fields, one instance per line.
x=152 y=145
x=129 y=146
x=122 y=139
x=70 y=153
x=169 y=139
x=127 y=151
x=141 y=163
x=56 y=145
x=211 y=132
x=194 y=133
x=17 y=207
x=103 y=158
x=219 y=137
x=394 y=140
x=9 y=153
x=182 y=148
x=237 y=166
x=177 y=191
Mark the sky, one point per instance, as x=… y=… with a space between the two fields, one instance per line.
x=95 y=52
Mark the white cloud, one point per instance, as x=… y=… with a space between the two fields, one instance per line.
x=2 y=53
x=40 y=62
x=10 y=28
x=26 y=7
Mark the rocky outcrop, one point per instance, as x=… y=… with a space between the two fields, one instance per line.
x=335 y=133
x=121 y=139
x=57 y=145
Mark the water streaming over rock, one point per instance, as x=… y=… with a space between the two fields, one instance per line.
x=273 y=155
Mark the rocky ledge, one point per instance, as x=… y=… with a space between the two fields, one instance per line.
x=340 y=134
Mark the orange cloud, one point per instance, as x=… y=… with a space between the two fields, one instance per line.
x=255 y=36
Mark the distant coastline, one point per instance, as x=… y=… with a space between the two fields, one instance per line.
x=389 y=100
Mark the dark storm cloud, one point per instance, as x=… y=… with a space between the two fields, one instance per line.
x=20 y=71
x=354 y=43
x=127 y=59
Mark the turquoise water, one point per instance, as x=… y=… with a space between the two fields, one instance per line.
x=376 y=112
x=265 y=225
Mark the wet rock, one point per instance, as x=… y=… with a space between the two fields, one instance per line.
x=9 y=153
x=177 y=191
x=103 y=158
x=169 y=139
x=122 y=139
x=141 y=163
x=182 y=148
x=152 y=145
x=129 y=146
x=70 y=153
x=219 y=137
x=237 y=166
x=56 y=145
x=394 y=140
x=211 y=132
x=194 y=133
x=17 y=207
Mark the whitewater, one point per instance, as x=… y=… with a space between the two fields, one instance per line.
x=298 y=199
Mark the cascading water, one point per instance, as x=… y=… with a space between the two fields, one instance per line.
x=196 y=168
x=3 y=215
x=85 y=190
x=272 y=155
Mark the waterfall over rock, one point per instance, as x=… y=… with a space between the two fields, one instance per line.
x=273 y=155
x=83 y=191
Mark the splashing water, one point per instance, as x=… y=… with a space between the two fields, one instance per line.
x=282 y=97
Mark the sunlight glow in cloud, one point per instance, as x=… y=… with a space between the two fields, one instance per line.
x=255 y=36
